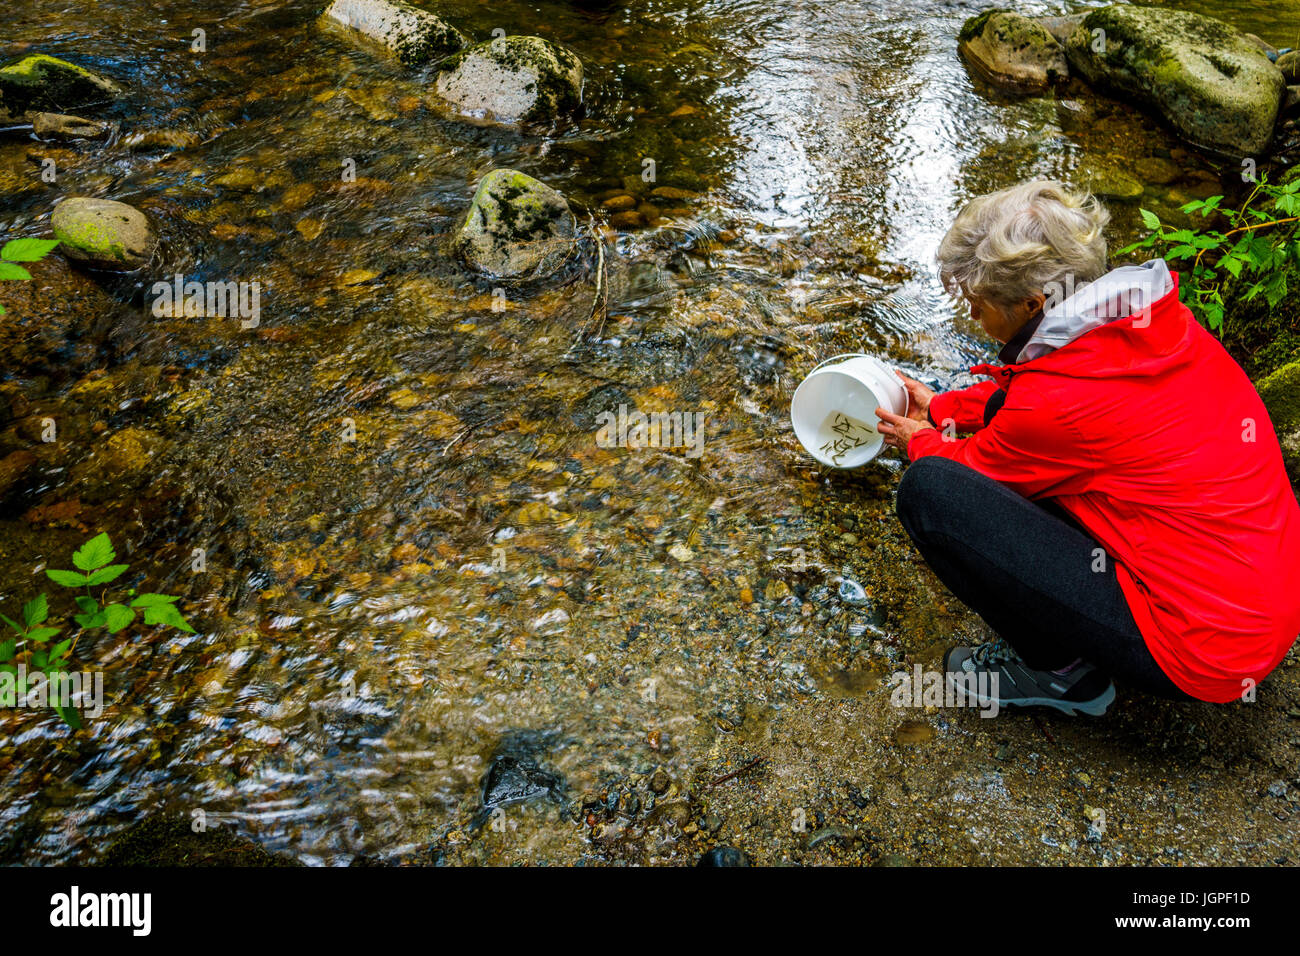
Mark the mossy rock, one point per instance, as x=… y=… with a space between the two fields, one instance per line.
x=1108 y=182
x=513 y=79
x=1289 y=65
x=516 y=227
x=1281 y=394
x=1214 y=86
x=1012 y=50
x=171 y=841
x=41 y=82
x=103 y=234
x=414 y=36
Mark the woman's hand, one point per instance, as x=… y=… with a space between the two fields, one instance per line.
x=918 y=398
x=898 y=430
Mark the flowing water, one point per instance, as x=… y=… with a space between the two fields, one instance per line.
x=416 y=554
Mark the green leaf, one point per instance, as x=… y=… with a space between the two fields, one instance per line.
x=12 y=623
x=40 y=635
x=104 y=575
x=1150 y=219
x=87 y=604
x=69 y=579
x=10 y=271
x=118 y=616
x=1214 y=315
x=168 y=615
x=61 y=648
x=36 y=610
x=38 y=658
x=151 y=600
x=27 y=250
x=90 y=620
x=69 y=716
x=8 y=649
x=95 y=553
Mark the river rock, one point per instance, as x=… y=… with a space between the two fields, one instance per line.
x=1108 y=182
x=172 y=842
x=1012 y=50
x=103 y=234
x=63 y=126
x=1281 y=394
x=515 y=227
x=413 y=35
x=512 y=79
x=1060 y=27
x=1289 y=64
x=1213 y=85
x=40 y=82
x=724 y=856
x=514 y=778
x=1291 y=101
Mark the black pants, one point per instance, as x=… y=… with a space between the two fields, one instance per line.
x=1028 y=570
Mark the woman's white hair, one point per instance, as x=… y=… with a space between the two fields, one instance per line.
x=1018 y=242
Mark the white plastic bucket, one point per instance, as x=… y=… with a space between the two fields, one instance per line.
x=834 y=408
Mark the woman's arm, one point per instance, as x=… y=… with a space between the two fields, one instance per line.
x=1031 y=446
x=964 y=407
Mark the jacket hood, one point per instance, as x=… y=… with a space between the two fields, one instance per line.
x=1128 y=322
x=1119 y=294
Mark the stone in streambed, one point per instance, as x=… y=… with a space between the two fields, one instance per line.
x=1213 y=85
x=515 y=227
x=724 y=856
x=103 y=234
x=1281 y=394
x=1012 y=50
x=1289 y=64
x=40 y=82
x=413 y=35
x=63 y=126
x=514 y=79
x=1108 y=182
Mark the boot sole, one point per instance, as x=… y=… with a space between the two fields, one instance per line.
x=1093 y=708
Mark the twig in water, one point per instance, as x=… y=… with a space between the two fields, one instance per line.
x=466 y=431
x=1043 y=727
x=736 y=773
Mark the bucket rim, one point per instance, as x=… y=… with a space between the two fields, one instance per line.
x=836 y=358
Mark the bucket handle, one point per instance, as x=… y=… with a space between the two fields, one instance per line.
x=836 y=358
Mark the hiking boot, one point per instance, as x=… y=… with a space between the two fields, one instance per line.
x=994 y=673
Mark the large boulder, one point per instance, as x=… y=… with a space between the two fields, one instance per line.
x=413 y=35
x=1012 y=50
x=513 y=80
x=40 y=82
x=103 y=234
x=1281 y=394
x=1213 y=85
x=516 y=227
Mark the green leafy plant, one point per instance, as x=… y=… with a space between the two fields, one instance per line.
x=22 y=250
x=1248 y=258
x=34 y=644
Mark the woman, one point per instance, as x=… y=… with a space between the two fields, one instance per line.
x=1120 y=507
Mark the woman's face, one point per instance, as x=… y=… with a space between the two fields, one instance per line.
x=1000 y=320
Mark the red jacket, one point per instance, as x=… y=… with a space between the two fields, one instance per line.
x=1154 y=439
